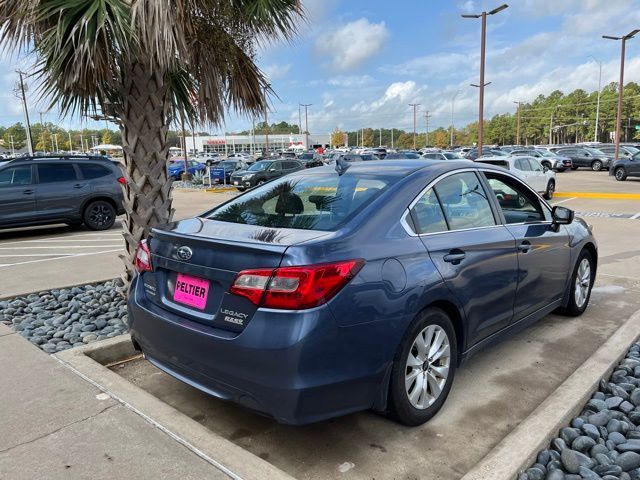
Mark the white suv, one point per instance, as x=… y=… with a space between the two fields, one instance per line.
x=540 y=178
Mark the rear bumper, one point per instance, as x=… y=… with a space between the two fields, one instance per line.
x=296 y=367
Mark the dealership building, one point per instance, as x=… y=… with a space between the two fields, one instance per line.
x=227 y=144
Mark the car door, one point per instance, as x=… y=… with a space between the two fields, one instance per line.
x=538 y=179
x=573 y=154
x=17 y=194
x=474 y=253
x=523 y=168
x=275 y=170
x=59 y=192
x=543 y=248
x=633 y=166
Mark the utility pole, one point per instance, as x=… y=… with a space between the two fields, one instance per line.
x=426 y=119
x=391 y=137
x=13 y=148
x=415 y=106
x=623 y=42
x=299 y=119
x=595 y=131
x=481 y=85
x=70 y=143
x=55 y=137
x=185 y=174
x=453 y=99
x=380 y=144
x=22 y=95
x=518 y=123
x=362 y=136
x=43 y=141
x=266 y=120
x=306 y=124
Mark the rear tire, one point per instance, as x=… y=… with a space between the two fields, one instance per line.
x=579 y=289
x=423 y=369
x=596 y=165
x=551 y=188
x=546 y=164
x=620 y=174
x=99 y=215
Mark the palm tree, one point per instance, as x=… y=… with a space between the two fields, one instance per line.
x=144 y=62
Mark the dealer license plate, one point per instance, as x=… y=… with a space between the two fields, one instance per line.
x=191 y=291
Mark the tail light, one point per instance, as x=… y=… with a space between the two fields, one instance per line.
x=295 y=288
x=143 y=258
x=122 y=180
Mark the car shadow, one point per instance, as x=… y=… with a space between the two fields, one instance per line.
x=24 y=233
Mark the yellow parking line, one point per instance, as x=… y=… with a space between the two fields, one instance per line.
x=600 y=195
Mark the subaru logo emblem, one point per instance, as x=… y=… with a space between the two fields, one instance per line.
x=184 y=253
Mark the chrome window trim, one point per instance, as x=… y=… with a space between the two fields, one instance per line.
x=407 y=212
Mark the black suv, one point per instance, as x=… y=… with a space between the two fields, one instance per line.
x=61 y=189
x=311 y=159
x=263 y=171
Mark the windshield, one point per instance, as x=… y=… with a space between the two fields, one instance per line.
x=632 y=150
x=318 y=202
x=259 y=166
x=306 y=156
x=227 y=165
x=546 y=153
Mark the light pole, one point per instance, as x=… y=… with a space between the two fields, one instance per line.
x=414 y=105
x=13 y=148
x=481 y=85
x=595 y=132
x=518 y=124
x=453 y=99
x=551 y=124
x=426 y=138
x=306 y=124
x=623 y=42
x=266 y=120
x=19 y=92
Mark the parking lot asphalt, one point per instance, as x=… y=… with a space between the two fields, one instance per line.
x=40 y=258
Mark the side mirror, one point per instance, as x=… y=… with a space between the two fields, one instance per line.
x=562 y=215
x=545 y=169
x=272 y=169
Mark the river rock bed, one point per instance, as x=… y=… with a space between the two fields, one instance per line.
x=604 y=441
x=64 y=318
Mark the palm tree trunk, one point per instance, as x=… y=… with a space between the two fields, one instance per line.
x=144 y=126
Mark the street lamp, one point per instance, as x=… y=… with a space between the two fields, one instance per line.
x=518 y=124
x=595 y=134
x=481 y=85
x=453 y=99
x=306 y=124
x=623 y=42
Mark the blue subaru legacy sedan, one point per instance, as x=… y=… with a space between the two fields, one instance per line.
x=327 y=292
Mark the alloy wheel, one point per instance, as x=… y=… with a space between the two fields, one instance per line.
x=427 y=367
x=596 y=166
x=583 y=282
x=100 y=215
x=620 y=175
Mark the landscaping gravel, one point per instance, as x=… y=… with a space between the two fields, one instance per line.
x=189 y=185
x=59 y=319
x=604 y=441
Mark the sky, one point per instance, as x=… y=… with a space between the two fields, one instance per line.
x=360 y=63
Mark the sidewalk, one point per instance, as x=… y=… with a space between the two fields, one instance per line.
x=54 y=425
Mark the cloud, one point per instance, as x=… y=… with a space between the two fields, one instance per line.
x=352 y=44
x=428 y=66
x=275 y=71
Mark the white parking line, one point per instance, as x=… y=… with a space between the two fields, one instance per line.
x=565 y=200
x=39 y=255
x=59 y=246
x=70 y=240
x=60 y=258
x=636 y=216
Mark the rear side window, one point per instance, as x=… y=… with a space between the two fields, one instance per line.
x=15 y=176
x=56 y=172
x=523 y=164
x=427 y=214
x=464 y=202
x=318 y=202
x=90 y=171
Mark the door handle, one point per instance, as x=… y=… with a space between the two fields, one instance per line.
x=27 y=192
x=79 y=185
x=454 y=256
x=525 y=246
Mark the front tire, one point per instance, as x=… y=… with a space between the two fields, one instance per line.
x=551 y=188
x=423 y=369
x=580 y=286
x=596 y=165
x=620 y=174
x=99 y=215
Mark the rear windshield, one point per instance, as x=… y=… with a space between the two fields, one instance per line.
x=318 y=202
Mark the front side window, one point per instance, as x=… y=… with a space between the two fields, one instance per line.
x=464 y=202
x=518 y=203
x=56 y=172
x=523 y=164
x=535 y=165
x=11 y=177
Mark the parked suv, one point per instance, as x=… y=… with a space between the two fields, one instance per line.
x=61 y=189
x=263 y=171
x=584 y=157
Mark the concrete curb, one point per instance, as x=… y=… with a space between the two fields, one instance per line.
x=88 y=362
x=518 y=450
